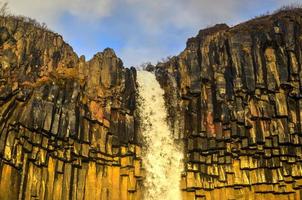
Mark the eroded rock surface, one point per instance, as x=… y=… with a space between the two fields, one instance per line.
x=67 y=126
x=239 y=109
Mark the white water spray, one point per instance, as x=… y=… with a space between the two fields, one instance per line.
x=162 y=156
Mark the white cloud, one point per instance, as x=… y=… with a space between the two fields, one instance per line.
x=156 y=14
x=134 y=56
x=50 y=11
x=154 y=25
x=94 y=9
x=155 y=17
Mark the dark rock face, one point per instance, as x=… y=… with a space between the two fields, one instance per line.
x=239 y=102
x=67 y=127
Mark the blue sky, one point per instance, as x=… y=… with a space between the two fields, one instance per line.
x=138 y=30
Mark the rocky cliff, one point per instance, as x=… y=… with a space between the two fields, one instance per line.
x=69 y=130
x=67 y=126
x=239 y=109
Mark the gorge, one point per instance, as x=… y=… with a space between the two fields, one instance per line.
x=225 y=115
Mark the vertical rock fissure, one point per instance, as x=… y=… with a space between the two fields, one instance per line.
x=162 y=156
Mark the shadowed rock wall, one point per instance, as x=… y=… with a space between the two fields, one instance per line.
x=67 y=126
x=239 y=100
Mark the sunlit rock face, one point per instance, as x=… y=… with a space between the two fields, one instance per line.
x=67 y=126
x=239 y=100
x=70 y=128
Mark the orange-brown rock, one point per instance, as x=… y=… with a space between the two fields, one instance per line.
x=238 y=91
x=63 y=121
x=68 y=128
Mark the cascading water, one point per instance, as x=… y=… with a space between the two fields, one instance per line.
x=162 y=157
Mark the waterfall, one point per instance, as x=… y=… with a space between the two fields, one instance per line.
x=162 y=156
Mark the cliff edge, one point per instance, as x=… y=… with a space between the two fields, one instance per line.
x=238 y=93
x=69 y=128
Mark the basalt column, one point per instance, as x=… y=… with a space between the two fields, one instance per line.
x=239 y=109
x=67 y=126
x=70 y=128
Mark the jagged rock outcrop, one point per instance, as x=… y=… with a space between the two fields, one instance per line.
x=238 y=93
x=67 y=126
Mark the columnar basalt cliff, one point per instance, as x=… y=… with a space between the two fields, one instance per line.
x=69 y=128
x=239 y=109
